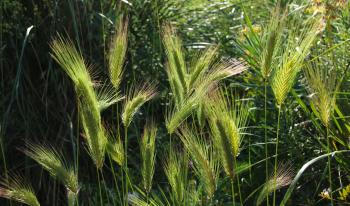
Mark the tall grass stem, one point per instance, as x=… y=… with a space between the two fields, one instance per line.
x=126 y=164
x=99 y=186
x=233 y=193
x=329 y=165
x=276 y=154
x=265 y=134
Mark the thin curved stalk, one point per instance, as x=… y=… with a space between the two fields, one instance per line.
x=276 y=154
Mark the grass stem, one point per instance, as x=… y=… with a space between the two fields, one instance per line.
x=99 y=186
x=238 y=184
x=265 y=134
x=276 y=154
x=233 y=193
x=126 y=165
x=329 y=165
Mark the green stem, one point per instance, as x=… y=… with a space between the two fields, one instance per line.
x=3 y=157
x=276 y=153
x=329 y=165
x=72 y=198
x=123 y=187
x=126 y=165
x=233 y=193
x=99 y=186
x=106 y=189
x=238 y=184
x=265 y=133
x=114 y=178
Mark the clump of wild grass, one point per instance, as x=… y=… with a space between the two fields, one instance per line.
x=148 y=155
x=205 y=163
x=117 y=53
x=283 y=177
x=16 y=189
x=73 y=64
x=138 y=95
x=53 y=162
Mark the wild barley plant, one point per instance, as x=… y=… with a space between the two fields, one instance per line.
x=91 y=101
x=138 y=95
x=202 y=153
x=16 y=189
x=89 y=105
x=54 y=163
x=148 y=155
x=227 y=120
x=290 y=60
x=270 y=41
x=260 y=50
x=323 y=86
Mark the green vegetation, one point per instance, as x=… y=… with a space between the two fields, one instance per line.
x=175 y=102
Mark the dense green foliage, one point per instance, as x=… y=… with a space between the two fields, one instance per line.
x=174 y=102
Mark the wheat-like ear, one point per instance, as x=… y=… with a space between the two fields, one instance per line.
x=176 y=169
x=52 y=161
x=147 y=147
x=271 y=40
x=93 y=129
x=284 y=176
x=176 y=65
x=206 y=165
x=224 y=69
x=292 y=58
x=137 y=96
x=115 y=148
x=107 y=96
x=17 y=189
x=139 y=201
x=322 y=86
x=71 y=61
x=227 y=122
x=117 y=53
x=201 y=64
x=73 y=64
